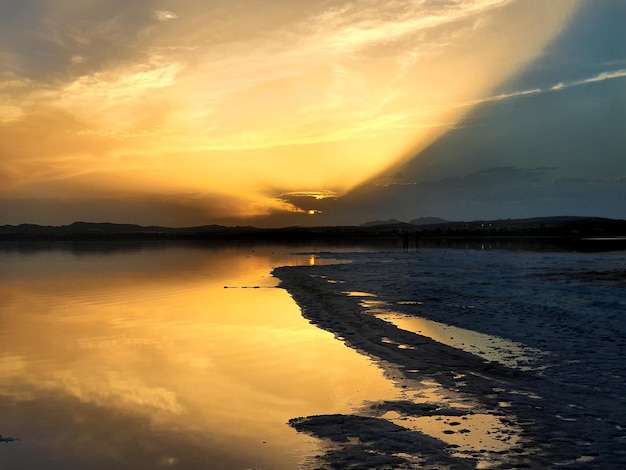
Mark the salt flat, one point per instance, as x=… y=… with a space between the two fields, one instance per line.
x=507 y=359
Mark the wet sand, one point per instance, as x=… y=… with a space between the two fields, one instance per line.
x=532 y=376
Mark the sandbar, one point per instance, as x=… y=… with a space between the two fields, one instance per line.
x=551 y=392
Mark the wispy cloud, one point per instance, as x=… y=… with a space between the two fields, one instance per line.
x=597 y=78
x=10 y=113
x=217 y=96
x=603 y=76
x=312 y=194
x=116 y=96
x=165 y=15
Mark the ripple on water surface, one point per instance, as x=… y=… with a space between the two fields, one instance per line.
x=143 y=356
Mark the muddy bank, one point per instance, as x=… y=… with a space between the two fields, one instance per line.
x=564 y=408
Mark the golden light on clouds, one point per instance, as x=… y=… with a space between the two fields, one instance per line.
x=223 y=109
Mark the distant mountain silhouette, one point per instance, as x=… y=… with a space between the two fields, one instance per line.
x=561 y=226
x=375 y=223
x=428 y=221
x=398 y=223
x=96 y=230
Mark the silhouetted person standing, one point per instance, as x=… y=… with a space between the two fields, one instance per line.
x=405 y=242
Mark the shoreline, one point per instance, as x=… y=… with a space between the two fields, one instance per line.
x=460 y=411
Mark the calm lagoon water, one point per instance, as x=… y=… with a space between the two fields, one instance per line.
x=164 y=357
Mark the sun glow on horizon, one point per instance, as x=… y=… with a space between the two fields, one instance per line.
x=224 y=112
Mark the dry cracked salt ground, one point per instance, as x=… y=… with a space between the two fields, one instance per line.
x=532 y=375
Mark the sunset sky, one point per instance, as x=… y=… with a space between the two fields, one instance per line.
x=277 y=113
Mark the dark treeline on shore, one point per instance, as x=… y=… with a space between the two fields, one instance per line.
x=535 y=227
x=453 y=234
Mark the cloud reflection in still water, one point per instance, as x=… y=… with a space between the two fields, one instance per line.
x=144 y=358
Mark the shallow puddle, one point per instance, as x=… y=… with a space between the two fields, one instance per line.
x=359 y=294
x=471 y=434
x=491 y=348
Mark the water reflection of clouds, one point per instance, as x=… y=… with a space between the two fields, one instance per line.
x=172 y=348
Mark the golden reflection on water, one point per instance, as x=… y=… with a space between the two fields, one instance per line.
x=152 y=344
x=474 y=434
x=489 y=347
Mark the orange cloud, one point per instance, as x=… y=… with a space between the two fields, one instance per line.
x=249 y=107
